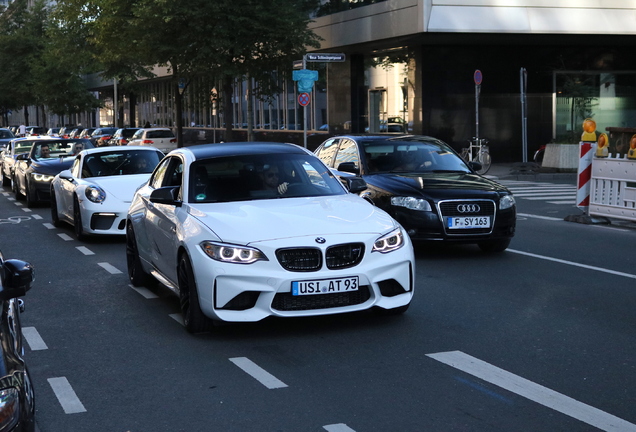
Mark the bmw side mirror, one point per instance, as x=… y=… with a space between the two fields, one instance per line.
x=17 y=277
x=166 y=195
x=356 y=184
x=349 y=167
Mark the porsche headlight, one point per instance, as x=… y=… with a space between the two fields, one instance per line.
x=232 y=253
x=42 y=177
x=389 y=242
x=506 y=202
x=411 y=203
x=95 y=194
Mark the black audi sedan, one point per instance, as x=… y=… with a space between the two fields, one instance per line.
x=427 y=187
x=17 y=400
x=34 y=171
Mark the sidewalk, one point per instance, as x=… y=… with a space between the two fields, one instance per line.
x=528 y=172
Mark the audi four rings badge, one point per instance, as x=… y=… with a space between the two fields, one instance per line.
x=468 y=208
x=320 y=240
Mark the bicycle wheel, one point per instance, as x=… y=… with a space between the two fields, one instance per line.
x=485 y=161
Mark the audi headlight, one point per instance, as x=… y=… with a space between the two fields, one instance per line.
x=411 y=203
x=9 y=408
x=42 y=177
x=389 y=242
x=506 y=202
x=95 y=194
x=231 y=253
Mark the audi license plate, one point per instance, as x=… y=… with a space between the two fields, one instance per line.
x=468 y=222
x=325 y=286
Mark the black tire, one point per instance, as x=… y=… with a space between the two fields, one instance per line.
x=193 y=318
x=136 y=274
x=6 y=181
x=55 y=218
x=16 y=192
x=30 y=201
x=77 y=221
x=494 y=246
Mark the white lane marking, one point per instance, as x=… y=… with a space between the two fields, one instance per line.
x=573 y=202
x=34 y=339
x=36 y=216
x=178 y=318
x=18 y=203
x=27 y=210
x=85 y=250
x=258 y=373
x=109 y=268
x=66 y=395
x=572 y=263
x=534 y=392
x=48 y=225
x=539 y=217
x=340 y=427
x=144 y=292
x=10 y=199
x=65 y=237
x=7 y=194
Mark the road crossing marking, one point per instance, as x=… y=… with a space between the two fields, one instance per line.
x=537 y=191
x=34 y=339
x=534 y=392
x=66 y=395
x=260 y=374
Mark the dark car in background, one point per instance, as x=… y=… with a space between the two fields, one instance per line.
x=17 y=398
x=424 y=184
x=35 y=131
x=34 y=170
x=122 y=136
x=5 y=136
x=8 y=156
x=100 y=136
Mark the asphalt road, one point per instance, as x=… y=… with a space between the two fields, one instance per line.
x=539 y=338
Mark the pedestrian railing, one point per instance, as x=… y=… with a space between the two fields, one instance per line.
x=613 y=188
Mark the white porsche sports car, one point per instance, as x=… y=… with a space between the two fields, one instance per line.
x=243 y=231
x=94 y=195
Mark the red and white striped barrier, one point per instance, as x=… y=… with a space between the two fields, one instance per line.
x=586 y=155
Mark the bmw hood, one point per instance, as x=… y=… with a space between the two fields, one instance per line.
x=252 y=221
x=52 y=167
x=433 y=183
x=122 y=187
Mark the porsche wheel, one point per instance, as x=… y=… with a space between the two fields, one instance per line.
x=55 y=217
x=77 y=221
x=193 y=318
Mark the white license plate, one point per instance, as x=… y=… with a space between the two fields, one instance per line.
x=468 y=222
x=325 y=286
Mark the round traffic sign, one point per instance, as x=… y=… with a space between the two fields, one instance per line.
x=303 y=99
x=477 y=76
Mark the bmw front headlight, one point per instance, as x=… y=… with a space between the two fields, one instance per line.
x=229 y=253
x=389 y=242
x=411 y=203
x=43 y=178
x=506 y=202
x=95 y=194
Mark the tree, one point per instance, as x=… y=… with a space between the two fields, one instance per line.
x=220 y=40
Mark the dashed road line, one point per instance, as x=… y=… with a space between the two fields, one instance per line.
x=340 y=427
x=65 y=237
x=36 y=216
x=66 y=395
x=258 y=373
x=26 y=210
x=539 y=217
x=34 y=339
x=144 y=292
x=85 y=250
x=109 y=268
x=178 y=318
x=534 y=392
x=48 y=225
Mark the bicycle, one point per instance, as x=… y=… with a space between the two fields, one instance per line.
x=477 y=151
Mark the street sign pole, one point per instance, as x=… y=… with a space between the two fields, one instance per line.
x=305 y=110
x=477 y=77
x=523 y=76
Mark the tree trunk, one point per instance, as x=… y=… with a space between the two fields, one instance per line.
x=228 y=112
x=26 y=115
x=178 y=99
x=250 y=118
